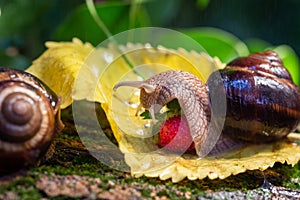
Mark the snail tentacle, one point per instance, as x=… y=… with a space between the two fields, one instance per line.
x=140 y=85
x=136 y=84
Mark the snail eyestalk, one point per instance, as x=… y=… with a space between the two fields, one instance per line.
x=294 y=136
x=136 y=84
x=140 y=85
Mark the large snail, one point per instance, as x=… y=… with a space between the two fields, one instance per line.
x=263 y=103
x=29 y=119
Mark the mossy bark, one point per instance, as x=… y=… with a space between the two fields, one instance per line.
x=72 y=165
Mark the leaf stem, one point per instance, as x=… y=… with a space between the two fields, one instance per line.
x=92 y=9
x=133 y=11
x=91 y=6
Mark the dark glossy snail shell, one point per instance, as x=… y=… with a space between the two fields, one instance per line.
x=29 y=119
x=263 y=103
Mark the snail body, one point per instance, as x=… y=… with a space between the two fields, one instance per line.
x=160 y=89
x=263 y=103
x=29 y=119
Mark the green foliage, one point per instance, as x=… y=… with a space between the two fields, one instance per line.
x=218 y=43
x=202 y=4
x=146 y=114
x=227 y=47
x=114 y=15
x=256 y=45
x=14 y=27
x=290 y=60
x=13 y=60
x=25 y=25
x=22 y=23
x=120 y=16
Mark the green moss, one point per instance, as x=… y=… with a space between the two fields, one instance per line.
x=71 y=157
x=146 y=192
x=291 y=176
x=23 y=186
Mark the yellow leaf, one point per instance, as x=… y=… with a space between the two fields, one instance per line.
x=78 y=71
x=73 y=69
x=251 y=157
x=135 y=140
x=59 y=65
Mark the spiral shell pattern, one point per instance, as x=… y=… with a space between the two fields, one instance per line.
x=263 y=103
x=28 y=119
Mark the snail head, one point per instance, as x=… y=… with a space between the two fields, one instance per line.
x=150 y=96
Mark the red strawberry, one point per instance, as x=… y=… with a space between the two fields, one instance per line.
x=176 y=126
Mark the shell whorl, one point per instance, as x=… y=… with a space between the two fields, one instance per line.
x=29 y=119
x=21 y=112
x=263 y=103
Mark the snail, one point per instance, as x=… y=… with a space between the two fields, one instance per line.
x=263 y=103
x=29 y=119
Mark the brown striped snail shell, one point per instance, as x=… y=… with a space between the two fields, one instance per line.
x=29 y=119
x=263 y=103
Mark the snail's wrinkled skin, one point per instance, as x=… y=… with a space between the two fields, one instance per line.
x=29 y=119
x=263 y=104
x=191 y=94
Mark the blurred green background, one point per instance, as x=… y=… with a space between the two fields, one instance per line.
x=236 y=27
